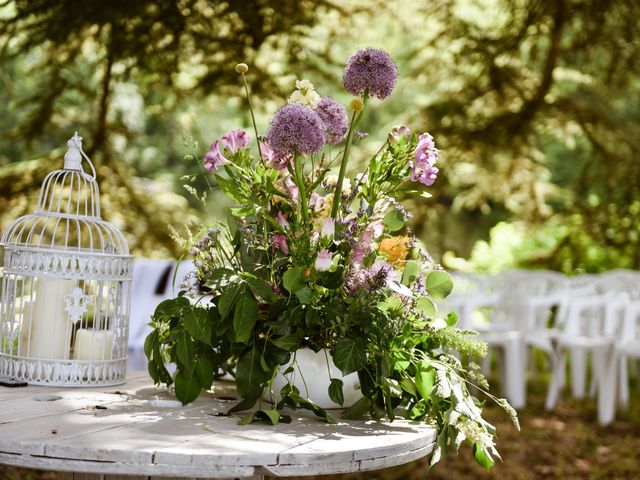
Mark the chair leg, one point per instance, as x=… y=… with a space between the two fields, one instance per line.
x=578 y=372
x=515 y=374
x=605 y=363
x=558 y=366
x=623 y=381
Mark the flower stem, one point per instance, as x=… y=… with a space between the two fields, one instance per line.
x=253 y=118
x=302 y=193
x=337 y=196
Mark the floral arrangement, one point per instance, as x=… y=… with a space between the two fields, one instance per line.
x=310 y=258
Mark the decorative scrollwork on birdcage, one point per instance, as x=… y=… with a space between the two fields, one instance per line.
x=66 y=284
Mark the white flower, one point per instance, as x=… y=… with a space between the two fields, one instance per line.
x=439 y=324
x=328 y=228
x=305 y=94
x=474 y=432
x=323 y=262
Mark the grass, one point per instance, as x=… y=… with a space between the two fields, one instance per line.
x=567 y=443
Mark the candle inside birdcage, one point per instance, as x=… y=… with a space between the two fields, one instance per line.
x=65 y=287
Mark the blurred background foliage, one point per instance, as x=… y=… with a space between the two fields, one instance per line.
x=535 y=104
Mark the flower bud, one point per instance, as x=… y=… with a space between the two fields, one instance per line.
x=241 y=68
x=357 y=105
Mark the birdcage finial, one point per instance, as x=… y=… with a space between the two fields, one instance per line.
x=73 y=157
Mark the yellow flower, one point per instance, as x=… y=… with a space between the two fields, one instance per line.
x=357 y=105
x=395 y=248
x=241 y=68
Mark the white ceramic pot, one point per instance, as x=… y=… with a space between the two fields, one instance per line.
x=311 y=377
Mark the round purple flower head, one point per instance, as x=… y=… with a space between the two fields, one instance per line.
x=334 y=116
x=296 y=129
x=370 y=70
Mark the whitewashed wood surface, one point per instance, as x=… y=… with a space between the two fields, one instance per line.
x=139 y=430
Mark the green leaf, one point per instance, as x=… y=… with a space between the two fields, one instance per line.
x=439 y=284
x=197 y=324
x=335 y=391
x=482 y=457
x=204 y=371
x=410 y=272
x=425 y=379
x=187 y=387
x=427 y=306
x=305 y=295
x=408 y=386
x=245 y=316
x=171 y=308
x=293 y=279
x=358 y=409
x=290 y=343
x=150 y=344
x=393 y=220
x=185 y=351
x=245 y=404
x=250 y=377
x=451 y=319
x=349 y=356
x=217 y=275
x=227 y=300
x=261 y=289
x=270 y=416
x=231 y=190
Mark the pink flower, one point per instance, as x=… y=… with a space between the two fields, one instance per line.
x=426 y=156
x=316 y=201
x=323 y=261
x=363 y=246
x=278 y=162
x=328 y=228
x=213 y=159
x=282 y=221
x=292 y=188
x=425 y=175
x=235 y=140
x=280 y=241
x=398 y=132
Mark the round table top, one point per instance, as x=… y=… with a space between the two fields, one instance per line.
x=139 y=429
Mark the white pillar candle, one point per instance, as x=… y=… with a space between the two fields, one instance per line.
x=93 y=345
x=46 y=329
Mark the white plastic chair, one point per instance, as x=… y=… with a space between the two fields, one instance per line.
x=523 y=300
x=152 y=283
x=615 y=384
x=590 y=323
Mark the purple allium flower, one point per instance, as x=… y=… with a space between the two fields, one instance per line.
x=398 y=132
x=214 y=159
x=235 y=140
x=323 y=261
x=372 y=71
x=279 y=162
x=335 y=119
x=295 y=129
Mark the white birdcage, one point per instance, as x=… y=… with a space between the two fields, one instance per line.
x=66 y=286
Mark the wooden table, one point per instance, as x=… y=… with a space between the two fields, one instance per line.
x=139 y=430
